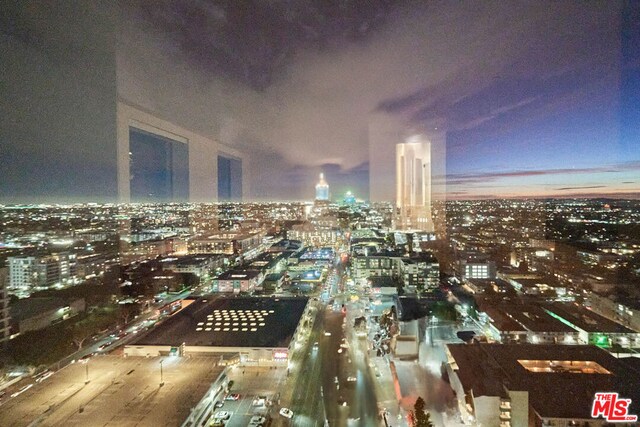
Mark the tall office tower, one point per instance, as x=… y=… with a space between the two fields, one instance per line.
x=322 y=189
x=413 y=185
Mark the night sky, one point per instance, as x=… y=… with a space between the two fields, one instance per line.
x=538 y=98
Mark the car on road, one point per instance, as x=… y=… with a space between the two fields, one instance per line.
x=85 y=358
x=216 y=423
x=22 y=390
x=316 y=345
x=222 y=415
x=232 y=396
x=351 y=379
x=257 y=421
x=43 y=376
x=287 y=413
x=218 y=404
x=259 y=401
x=105 y=345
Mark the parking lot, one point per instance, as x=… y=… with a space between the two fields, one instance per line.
x=120 y=392
x=250 y=383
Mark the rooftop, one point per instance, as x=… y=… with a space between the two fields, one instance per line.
x=231 y=322
x=575 y=372
x=587 y=320
x=194 y=259
x=238 y=274
x=521 y=317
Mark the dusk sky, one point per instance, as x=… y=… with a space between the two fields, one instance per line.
x=538 y=98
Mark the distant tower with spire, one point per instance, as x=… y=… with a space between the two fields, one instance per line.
x=322 y=190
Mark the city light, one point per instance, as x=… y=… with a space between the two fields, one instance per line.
x=311 y=213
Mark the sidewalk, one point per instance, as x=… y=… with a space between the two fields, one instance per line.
x=387 y=391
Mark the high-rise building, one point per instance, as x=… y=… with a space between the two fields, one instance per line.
x=413 y=185
x=322 y=189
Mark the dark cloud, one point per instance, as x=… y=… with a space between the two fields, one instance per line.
x=580 y=188
x=470 y=178
x=252 y=41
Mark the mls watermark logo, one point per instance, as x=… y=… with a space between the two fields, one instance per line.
x=613 y=408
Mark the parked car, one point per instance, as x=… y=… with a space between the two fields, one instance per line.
x=222 y=415
x=232 y=396
x=257 y=421
x=287 y=413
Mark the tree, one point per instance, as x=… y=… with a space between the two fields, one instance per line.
x=80 y=332
x=419 y=416
x=127 y=311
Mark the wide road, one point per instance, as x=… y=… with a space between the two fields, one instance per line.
x=307 y=399
x=335 y=365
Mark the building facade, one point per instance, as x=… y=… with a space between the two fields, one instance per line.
x=30 y=273
x=4 y=305
x=413 y=185
x=322 y=189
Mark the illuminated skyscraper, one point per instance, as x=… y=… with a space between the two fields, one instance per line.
x=322 y=189
x=413 y=185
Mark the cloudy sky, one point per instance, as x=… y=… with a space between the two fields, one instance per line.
x=533 y=94
x=537 y=98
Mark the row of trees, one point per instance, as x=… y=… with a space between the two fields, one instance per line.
x=48 y=345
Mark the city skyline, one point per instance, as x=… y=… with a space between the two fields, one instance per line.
x=320 y=213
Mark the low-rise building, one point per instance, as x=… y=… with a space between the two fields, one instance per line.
x=525 y=323
x=252 y=331
x=534 y=284
x=92 y=265
x=31 y=273
x=31 y=314
x=593 y=328
x=238 y=243
x=381 y=264
x=239 y=280
x=623 y=310
x=201 y=265
x=420 y=271
x=312 y=235
x=509 y=385
x=476 y=266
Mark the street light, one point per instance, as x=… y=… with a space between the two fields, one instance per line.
x=161 y=377
x=86 y=381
